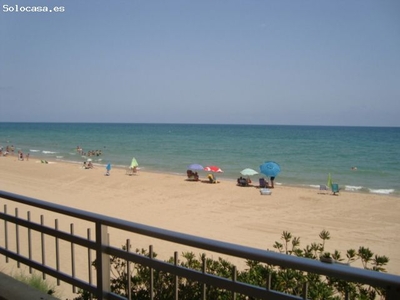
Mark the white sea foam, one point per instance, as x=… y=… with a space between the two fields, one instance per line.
x=48 y=152
x=381 y=191
x=59 y=156
x=33 y=150
x=353 y=188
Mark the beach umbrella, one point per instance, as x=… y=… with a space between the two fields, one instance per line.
x=108 y=168
x=329 y=183
x=134 y=163
x=195 y=167
x=214 y=169
x=270 y=168
x=248 y=172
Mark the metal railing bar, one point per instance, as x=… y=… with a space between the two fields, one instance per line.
x=57 y=250
x=102 y=261
x=72 y=257
x=269 y=281
x=184 y=272
x=195 y=275
x=269 y=257
x=5 y=232
x=50 y=231
x=42 y=235
x=113 y=296
x=29 y=240
x=377 y=279
x=50 y=271
x=128 y=270
x=17 y=235
x=203 y=270
x=234 y=279
x=176 y=278
x=89 y=261
x=151 y=257
x=305 y=290
x=304 y=264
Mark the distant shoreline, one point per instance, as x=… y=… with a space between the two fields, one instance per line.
x=204 y=173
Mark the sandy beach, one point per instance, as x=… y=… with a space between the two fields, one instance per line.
x=220 y=211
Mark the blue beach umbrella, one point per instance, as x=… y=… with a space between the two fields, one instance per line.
x=270 y=168
x=108 y=168
x=195 y=167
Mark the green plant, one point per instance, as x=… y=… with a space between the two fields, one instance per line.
x=36 y=281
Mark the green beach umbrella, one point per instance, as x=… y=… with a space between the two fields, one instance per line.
x=248 y=172
x=329 y=183
x=134 y=163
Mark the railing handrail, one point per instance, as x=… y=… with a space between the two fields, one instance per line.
x=353 y=274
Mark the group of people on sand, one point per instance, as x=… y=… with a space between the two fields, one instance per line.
x=87 y=165
x=263 y=183
x=21 y=155
x=192 y=175
x=10 y=150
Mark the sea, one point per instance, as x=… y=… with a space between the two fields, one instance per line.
x=359 y=159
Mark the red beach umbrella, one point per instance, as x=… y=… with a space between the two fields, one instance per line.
x=213 y=169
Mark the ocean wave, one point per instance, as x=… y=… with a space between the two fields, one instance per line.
x=352 y=188
x=48 y=152
x=59 y=156
x=381 y=191
x=33 y=150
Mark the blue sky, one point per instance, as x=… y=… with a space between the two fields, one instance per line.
x=238 y=62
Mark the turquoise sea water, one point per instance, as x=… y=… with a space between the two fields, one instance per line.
x=306 y=154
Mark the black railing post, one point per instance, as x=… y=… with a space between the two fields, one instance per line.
x=43 y=246
x=102 y=262
x=203 y=269
x=151 y=256
x=234 y=278
x=128 y=272
x=392 y=293
x=17 y=236
x=176 y=261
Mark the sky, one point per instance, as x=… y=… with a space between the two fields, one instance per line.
x=281 y=62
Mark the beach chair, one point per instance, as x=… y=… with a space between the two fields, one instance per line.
x=212 y=178
x=323 y=189
x=131 y=171
x=242 y=181
x=263 y=183
x=335 y=188
x=192 y=176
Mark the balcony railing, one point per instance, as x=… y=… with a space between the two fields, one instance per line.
x=22 y=253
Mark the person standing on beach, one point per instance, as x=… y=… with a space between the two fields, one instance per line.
x=272 y=182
